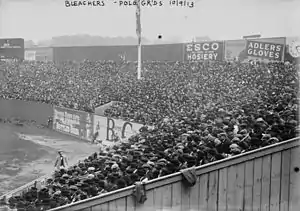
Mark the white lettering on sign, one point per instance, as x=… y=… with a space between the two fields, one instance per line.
x=202 y=56
x=262 y=53
x=89 y=127
x=195 y=47
x=205 y=46
x=62 y=127
x=204 y=51
x=215 y=46
x=264 y=50
x=265 y=46
x=67 y=122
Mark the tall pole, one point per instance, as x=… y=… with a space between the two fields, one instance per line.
x=139 y=65
x=139 y=35
x=1 y=17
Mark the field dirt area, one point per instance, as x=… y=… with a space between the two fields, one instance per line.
x=28 y=152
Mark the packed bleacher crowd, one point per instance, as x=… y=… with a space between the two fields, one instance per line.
x=201 y=112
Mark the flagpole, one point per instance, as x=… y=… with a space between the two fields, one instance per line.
x=139 y=35
x=2 y=4
x=139 y=65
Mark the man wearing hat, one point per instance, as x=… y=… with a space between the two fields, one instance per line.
x=61 y=161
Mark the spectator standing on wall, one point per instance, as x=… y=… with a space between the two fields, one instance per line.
x=94 y=139
x=50 y=122
x=61 y=161
x=115 y=138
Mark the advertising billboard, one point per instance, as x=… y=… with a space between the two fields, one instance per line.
x=237 y=49
x=109 y=129
x=12 y=48
x=264 y=50
x=204 y=51
x=72 y=122
x=30 y=55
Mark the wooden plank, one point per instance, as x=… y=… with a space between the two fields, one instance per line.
x=149 y=203
x=294 y=197
x=257 y=184
x=265 y=185
x=130 y=203
x=112 y=206
x=213 y=191
x=176 y=196
x=239 y=186
x=101 y=199
x=185 y=197
x=275 y=182
x=285 y=180
x=100 y=207
x=121 y=204
x=194 y=196
x=231 y=192
x=117 y=204
x=177 y=176
x=158 y=198
x=87 y=209
x=203 y=192
x=248 y=194
x=225 y=162
x=167 y=197
x=222 y=192
x=247 y=156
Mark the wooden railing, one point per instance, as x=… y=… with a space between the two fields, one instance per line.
x=41 y=180
x=26 y=187
x=266 y=179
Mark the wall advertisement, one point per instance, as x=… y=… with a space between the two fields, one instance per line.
x=30 y=55
x=109 y=130
x=238 y=49
x=12 y=48
x=72 y=122
x=264 y=50
x=204 y=51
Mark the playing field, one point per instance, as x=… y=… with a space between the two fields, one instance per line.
x=28 y=152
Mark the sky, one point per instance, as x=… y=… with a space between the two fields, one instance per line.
x=218 y=19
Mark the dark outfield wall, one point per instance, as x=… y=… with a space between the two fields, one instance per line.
x=170 y=52
x=167 y=52
x=93 y=53
x=25 y=110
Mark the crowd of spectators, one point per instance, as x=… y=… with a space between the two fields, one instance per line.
x=201 y=112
